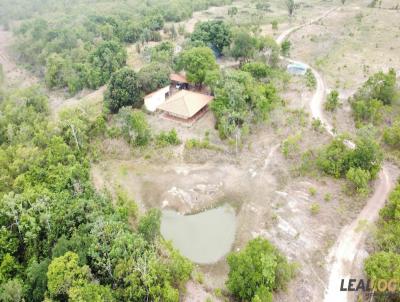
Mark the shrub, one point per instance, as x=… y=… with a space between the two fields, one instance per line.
x=317 y=125
x=315 y=208
x=332 y=101
x=274 y=25
x=391 y=135
x=311 y=82
x=290 y=146
x=328 y=197
x=258 y=268
x=164 y=139
x=258 y=70
x=285 y=48
x=134 y=127
x=359 y=179
x=379 y=90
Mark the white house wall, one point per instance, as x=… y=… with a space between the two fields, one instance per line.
x=156 y=99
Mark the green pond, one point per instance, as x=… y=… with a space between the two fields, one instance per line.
x=204 y=237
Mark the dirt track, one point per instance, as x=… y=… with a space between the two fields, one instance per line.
x=342 y=257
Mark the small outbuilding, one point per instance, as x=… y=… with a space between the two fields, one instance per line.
x=156 y=98
x=179 y=81
x=186 y=105
x=297 y=68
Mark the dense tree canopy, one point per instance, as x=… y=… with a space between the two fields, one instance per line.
x=80 y=42
x=378 y=91
x=215 y=34
x=243 y=45
x=153 y=76
x=337 y=158
x=123 y=90
x=240 y=101
x=59 y=238
x=384 y=263
x=257 y=271
x=197 y=62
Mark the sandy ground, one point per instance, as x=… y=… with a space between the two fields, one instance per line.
x=342 y=257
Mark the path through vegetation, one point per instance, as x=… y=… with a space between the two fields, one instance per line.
x=341 y=259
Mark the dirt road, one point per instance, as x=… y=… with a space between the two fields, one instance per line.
x=341 y=259
x=350 y=240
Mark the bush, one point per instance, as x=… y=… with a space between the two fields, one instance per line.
x=391 y=135
x=164 y=139
x=336 y=159
x=198 y=144
x=107 y=58
x=332 y=101
x=134 y=127
x=285 y=48
x=315 y=208
x=258 y=70
x=258 y=268
x=379 y=90
x=317 y=125
x=311 y=82
x=328 y=197
x=274 y=25
x=290 y=146
x=359 y=179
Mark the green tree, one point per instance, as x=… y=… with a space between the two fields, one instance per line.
x=11 y=291
x=123 y=90
x=215 y=34
x=55 y=71
x=359 y=179
x=135 y=127
x=243 y=46
x=332 y=101
x=258 y=268
x=36 y=281
x=258 y=70
x=197 y=62
x=153 y=76
x=285 y=48
x=107 y=58
x=379 y=90
x=290 y=5
x=64 y=273
x=391 y=135
x=383 y=265
x=90 y=292
x=149 y=225
x=334 y=158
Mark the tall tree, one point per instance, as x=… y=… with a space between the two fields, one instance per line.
x=243 y=46
x=197 y=62
x=216 y=34
x=290 y=5
x=123 y=90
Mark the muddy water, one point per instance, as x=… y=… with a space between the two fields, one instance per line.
x=203 y=238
